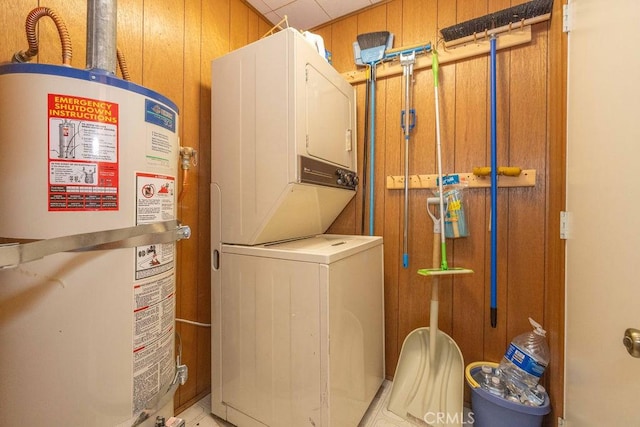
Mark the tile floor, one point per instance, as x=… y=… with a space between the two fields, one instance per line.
x=199 y=415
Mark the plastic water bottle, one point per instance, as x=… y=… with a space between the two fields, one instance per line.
x=525 y=360
x=483 y=376
x=497 y=387
x=534 y=396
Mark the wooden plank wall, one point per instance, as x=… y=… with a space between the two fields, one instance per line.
x=530 y=86
x=169 y=46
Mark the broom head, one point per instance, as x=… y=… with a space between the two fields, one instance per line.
x=527 y=13
x=373 y=45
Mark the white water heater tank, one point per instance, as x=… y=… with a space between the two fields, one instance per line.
x=87 y=337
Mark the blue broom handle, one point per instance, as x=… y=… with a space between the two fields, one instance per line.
x=494 y=189
x=372 y=158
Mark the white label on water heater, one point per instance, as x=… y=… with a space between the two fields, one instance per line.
x=83 y=154
x=161 y=143
x=153 y=293
x=153 y=369
x=155 y=203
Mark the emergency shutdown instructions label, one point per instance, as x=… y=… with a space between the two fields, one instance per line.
x=83 y=154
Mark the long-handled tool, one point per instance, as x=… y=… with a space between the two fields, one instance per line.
x=407 y=57
x=430 y=371
x=494 y=189
x=489 y=26
x=408 y=117
x=527 y=13
x=444 y=265
x=372 y=47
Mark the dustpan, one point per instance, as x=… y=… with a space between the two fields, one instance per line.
x=429 y=379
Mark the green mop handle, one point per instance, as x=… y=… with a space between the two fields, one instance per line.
x=434 y=67
x=443 y=245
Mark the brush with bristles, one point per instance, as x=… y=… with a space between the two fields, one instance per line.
x=373 y=46
x=528 y=13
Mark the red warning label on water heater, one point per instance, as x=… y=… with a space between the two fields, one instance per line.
x=83 y=154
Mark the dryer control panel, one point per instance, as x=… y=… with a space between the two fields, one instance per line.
x=320 y=173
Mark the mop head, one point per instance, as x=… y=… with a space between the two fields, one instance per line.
x=512 y=15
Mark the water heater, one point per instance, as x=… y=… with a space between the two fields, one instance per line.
x=89 y=164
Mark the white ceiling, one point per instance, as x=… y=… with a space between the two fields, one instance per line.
x=306 y=14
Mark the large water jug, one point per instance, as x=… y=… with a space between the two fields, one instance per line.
x=526 y=359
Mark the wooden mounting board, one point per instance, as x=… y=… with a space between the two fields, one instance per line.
x=527 y=178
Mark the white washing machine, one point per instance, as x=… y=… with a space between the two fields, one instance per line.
x=301 y=327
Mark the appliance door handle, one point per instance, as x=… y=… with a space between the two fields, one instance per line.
x=13 y=254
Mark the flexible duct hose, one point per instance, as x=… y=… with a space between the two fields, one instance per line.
x=32 y=38
x=122 y=64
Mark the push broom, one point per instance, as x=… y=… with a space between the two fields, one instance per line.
x=490 y=26
x=528 y=13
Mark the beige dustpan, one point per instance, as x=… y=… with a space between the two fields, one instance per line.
x=429 y=379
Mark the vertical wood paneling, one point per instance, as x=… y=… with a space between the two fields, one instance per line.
x=74 y=15
x=555 y=203
x=239 y=24
x=163 y=44
x=419 y=27
x=344 y=32
x=494 y=337
x=188 y=296
x=391 y=200
x=527 y=206
x=129 y=37
x=12 y=29
x=471 y=127
x=447 y=94
x=215 y=36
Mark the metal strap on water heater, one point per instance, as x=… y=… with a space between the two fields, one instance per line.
x=13 y=254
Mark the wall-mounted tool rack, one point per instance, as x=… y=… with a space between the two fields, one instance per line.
x=527 y=178
x=478 y=46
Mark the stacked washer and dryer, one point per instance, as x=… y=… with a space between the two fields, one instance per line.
x=297 y=315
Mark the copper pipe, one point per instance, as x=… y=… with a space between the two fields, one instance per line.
x=122 y=64
x=32 y=38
